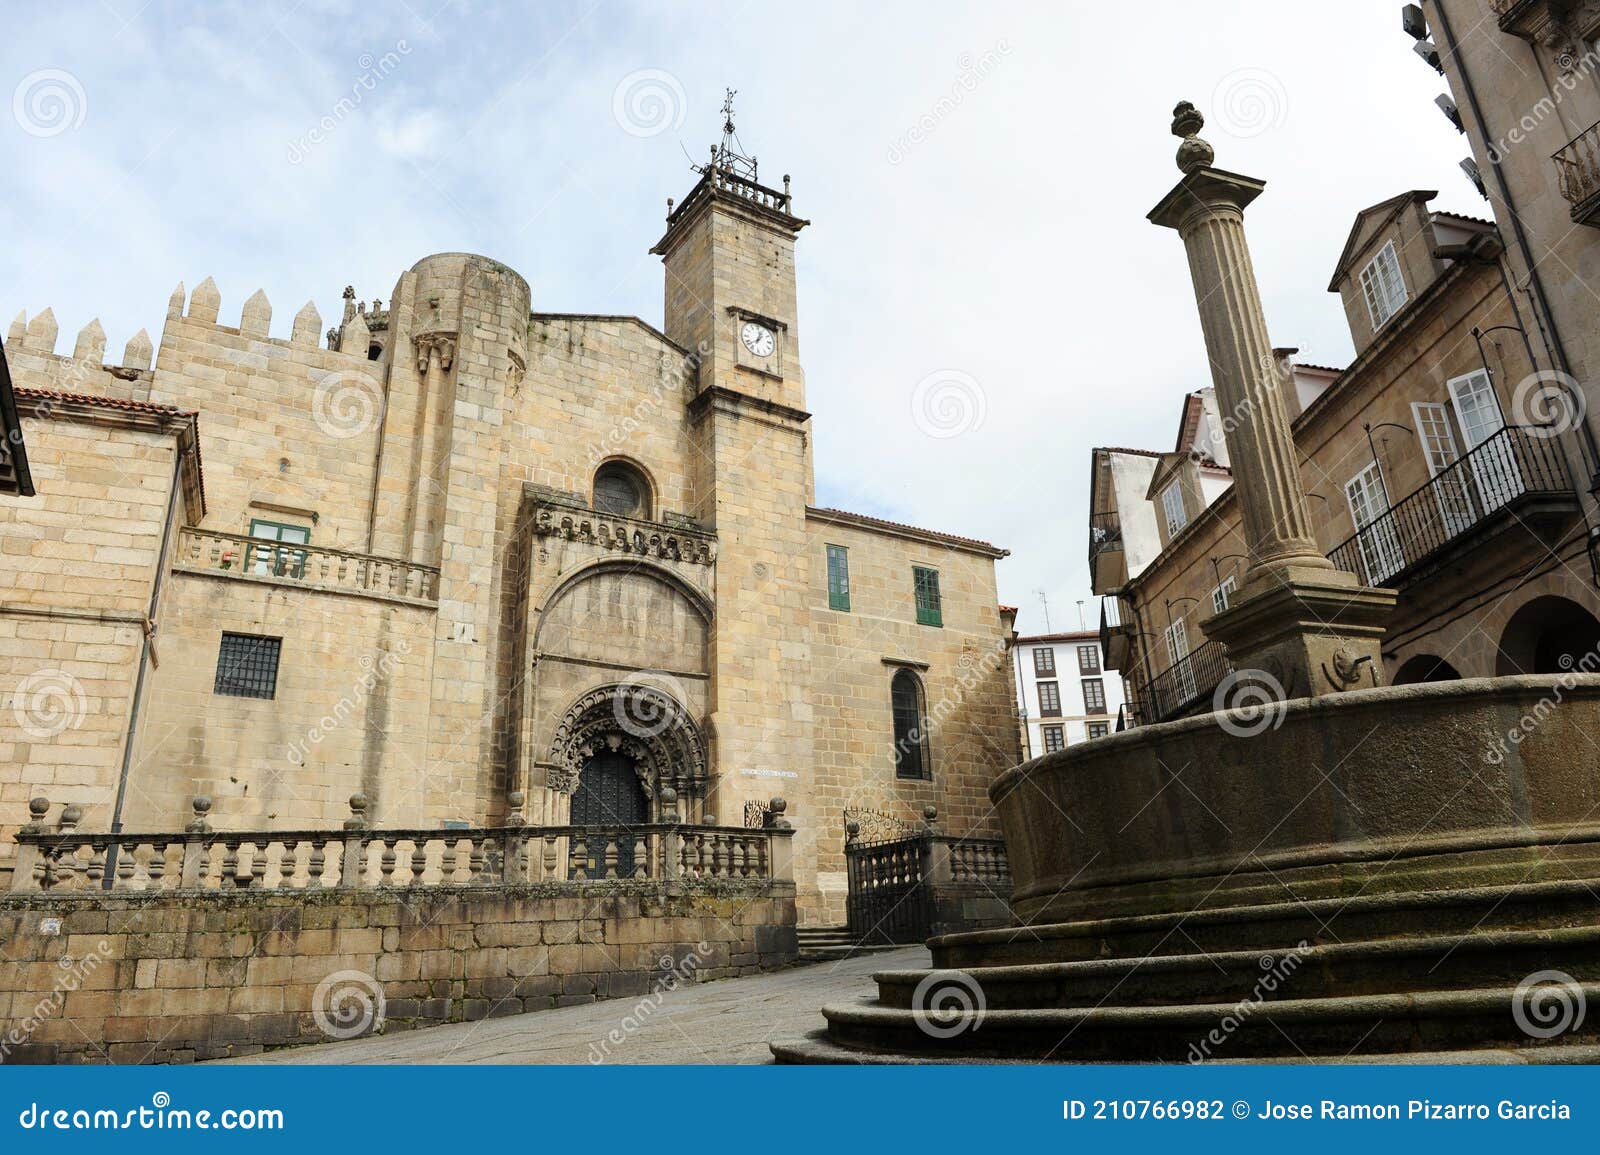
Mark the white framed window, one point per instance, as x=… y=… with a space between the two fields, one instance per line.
x=1383 y=286
x=1172 y=506
x=1375 y=530
x=1219 y=596
x=1177 y=638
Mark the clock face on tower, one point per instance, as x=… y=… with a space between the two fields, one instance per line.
x=758 y=339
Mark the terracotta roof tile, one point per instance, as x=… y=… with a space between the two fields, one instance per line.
x=884 y=523
x=108 y=402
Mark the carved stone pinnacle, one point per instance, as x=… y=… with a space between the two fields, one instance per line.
x=1193 y=153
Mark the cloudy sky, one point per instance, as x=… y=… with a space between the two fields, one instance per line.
x=981 y=297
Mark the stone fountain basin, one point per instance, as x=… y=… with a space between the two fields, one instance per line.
x=1436 y=786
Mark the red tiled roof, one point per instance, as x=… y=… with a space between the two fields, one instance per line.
x=1463 y=217
x=882 y=523
x=108 y=402
x=1319 y=368
x=1008 y=609
x=1122 y=449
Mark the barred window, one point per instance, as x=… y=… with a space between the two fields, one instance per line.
x=247 y=666
x=1054 y=739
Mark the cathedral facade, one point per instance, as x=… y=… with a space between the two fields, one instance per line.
x=478 y=563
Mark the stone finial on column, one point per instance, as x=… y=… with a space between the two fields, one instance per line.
x=514 y=816
x=852 y=832
x=38 y=808
x=71 y=815
x=930 y=819
x=358 y=813
x=1193 y=153
x=775 y=813
x=200 y=804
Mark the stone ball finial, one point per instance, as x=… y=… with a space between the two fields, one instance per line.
x=852 y=831
x=1193 y=153
x=38 y=807
x=778 y=804
x=929 y=813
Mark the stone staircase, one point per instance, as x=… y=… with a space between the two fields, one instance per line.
x=1453 y=976
x=830 y=943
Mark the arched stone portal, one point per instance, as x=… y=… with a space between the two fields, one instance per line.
x=1549 y=635
x=638 y=725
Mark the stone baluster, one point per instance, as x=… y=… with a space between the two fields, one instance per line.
x=671 y=847
x=516 y=841
x=196 y=844
x=26 y=868
x=352 y=866
x=318 y=863
x=419 y=861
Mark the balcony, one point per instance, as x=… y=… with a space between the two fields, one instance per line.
x=1116 y=638
x=1107 y=568
x=251 y=559
x=1531 y=19
x=1185 y=687
x=1519 y=472
x=1578 y=173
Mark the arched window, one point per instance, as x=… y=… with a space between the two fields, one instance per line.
x=621 y=489
x=911 y=757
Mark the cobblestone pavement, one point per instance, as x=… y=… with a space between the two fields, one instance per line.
x=730 y=1021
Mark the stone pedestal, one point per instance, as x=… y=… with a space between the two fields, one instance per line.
x=1310 y=627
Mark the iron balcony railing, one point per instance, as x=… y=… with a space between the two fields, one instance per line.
x=1578 y=172
x=1105 y=534
x=1513 y=463
x=1176 y=690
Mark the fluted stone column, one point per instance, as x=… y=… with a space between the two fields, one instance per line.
x=1313 y=628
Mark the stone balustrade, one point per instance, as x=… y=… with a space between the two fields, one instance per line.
x=245 y=558
x=356 y=858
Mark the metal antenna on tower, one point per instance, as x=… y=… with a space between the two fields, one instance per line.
x=1046 y=603
x=727 y=156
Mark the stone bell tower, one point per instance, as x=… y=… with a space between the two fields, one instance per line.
x=1312 y=627
x=728 y=253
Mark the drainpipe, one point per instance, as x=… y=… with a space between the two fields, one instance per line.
x=144 y=663
x=1542 y=311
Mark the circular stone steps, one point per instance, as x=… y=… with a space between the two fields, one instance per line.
x=1477 y=975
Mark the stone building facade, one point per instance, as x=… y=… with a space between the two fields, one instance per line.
x=463 y=548
x=1441 y=463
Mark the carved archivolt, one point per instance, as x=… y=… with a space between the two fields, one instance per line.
x=639 y=719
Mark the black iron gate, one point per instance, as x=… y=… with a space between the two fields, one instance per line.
x=889 y=900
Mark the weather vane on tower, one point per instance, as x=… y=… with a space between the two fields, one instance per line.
x=727 y=156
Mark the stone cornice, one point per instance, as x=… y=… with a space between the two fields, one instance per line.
x=722 y=395
x=1202 y=189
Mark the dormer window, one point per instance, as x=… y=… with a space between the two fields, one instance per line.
x=1172 y=505
x=1383 y=286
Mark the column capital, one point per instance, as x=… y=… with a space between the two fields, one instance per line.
x=1204 y=193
